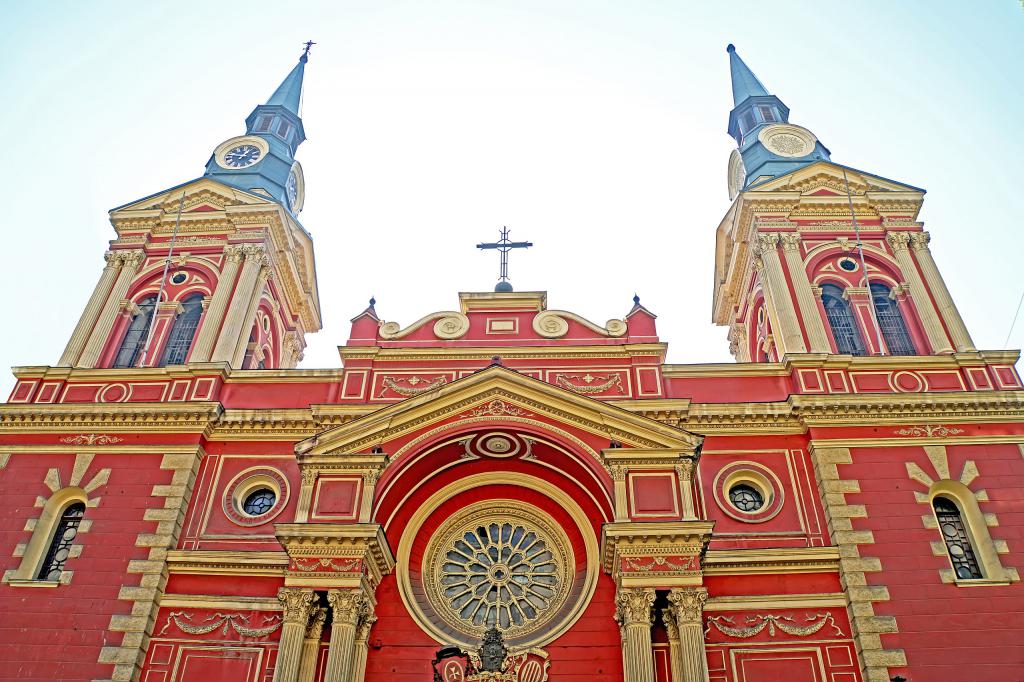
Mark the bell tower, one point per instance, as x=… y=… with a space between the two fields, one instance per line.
x=217 y=269
x=816 y=257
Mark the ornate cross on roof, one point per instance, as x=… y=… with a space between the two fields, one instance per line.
x=503 y=245
x=305 y=53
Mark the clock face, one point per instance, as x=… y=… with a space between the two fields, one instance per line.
x=292 y=188
x=241 y=156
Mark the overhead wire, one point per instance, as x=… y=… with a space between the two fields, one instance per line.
x=864 y=266
x=163 y=283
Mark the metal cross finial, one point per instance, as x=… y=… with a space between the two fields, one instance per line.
x=305 y=53
x=503 y=245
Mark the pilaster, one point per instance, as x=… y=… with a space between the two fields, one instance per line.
x=130 y=262
x=954 y=323
x=297 y=606
x=933 y=328
x=813 y=322
x=348 y=609
x=250 y=315
x=214 y=315
x=87 y=321
x=780 y=306
x=234 y=327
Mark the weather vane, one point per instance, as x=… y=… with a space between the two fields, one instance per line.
x=503 y=245
x=305 y=53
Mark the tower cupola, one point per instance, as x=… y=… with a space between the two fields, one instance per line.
x=263 y=160
x=767 y=144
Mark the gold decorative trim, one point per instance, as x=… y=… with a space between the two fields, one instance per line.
x=928 y=431
x=91 y=439
x=588 y=387
x=756 y=623
x=449 y=325
x=413 y=388
x=553 y=324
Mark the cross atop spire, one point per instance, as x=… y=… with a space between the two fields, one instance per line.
x=305 y=53
x=504 y=245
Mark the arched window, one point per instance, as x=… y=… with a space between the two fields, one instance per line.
x=60 y=546
x=840 y=319
x=890 y=320
x=184 y=330
x=958 y=542
x=135 y=337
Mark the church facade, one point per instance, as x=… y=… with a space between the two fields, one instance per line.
x=506 y=492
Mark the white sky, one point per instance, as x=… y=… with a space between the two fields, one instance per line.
x=594 y=129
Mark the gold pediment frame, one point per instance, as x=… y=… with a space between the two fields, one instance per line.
x=478 y=394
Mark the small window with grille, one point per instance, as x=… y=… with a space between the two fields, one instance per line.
x=60 y=547
x=958 y=542
x=840 y=320
x=891 y=322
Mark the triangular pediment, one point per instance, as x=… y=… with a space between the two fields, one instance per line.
x=825 y=178
x=496 y=391
x=203 y=194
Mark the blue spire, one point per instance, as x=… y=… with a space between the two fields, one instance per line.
x=263 y=160
x=754 y=110
x=289 y=93
x=744 y=83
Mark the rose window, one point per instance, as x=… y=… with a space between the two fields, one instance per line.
x=499 y=574
x=497 y=563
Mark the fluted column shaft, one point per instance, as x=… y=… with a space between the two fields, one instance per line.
x=250 y=315
x=362 y=647
x=203 y=347
x=786 y=327
x=311 y=645
x=813 y=324
x=955 y=323
x=686 y=608
x=347 y=606
x=227 y=340
x=80 y=336
x=633 y=613
x=675 y=653
x=131 y=261
x=297 y=606
x=933 y=329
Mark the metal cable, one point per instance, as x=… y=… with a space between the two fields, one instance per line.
x=864 y=266
x=163 y=283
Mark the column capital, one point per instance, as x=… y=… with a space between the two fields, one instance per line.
x=348 y=606
x=687 y=603
x=233 y=253
x=669 y=619
x=365 y=625
x=898 y=241
x=919 y=240
x=634 y=607
x=790 y=241
x=317 y=618
x=131 y=259
x=297 y=604
x=768 y=241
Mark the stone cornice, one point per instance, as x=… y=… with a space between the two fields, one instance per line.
x=774 y=560
x=485 y=353
x=210 y=562
x=192 y=417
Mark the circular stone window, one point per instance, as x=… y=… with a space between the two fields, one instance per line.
x=179 y=277
x=746 y=497
x=848 y=264
x=498 y=564
x=255 y=496
x=748 y=492
x=259 y=502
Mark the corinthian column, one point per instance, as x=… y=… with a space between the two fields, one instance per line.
x=92 y=310
x=347 y=607
x=362 y=647
x=955 y=323
x=634 y=615
x=675 y=654
x=813 y=323
x=218 y=305
x=686 y=607
x=297 y=605
x=130 y=262
x=937 y=338
x=250 y=314
x=786 y=327
x=311 y=645
x=235 y=323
